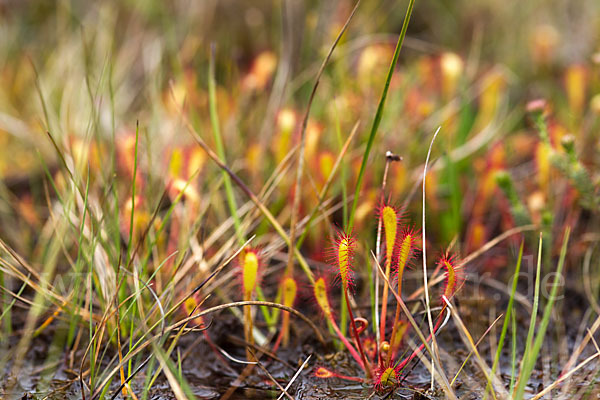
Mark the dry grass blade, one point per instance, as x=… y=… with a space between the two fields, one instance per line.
x=476 y=345
x=173 y=381
x=565 y=376
x=587 y=283
x=496 y=240
x=434 y=355
x=579 y=349
x=468 y=339
x=236 y=360
x=490 y=244
x=295 y=376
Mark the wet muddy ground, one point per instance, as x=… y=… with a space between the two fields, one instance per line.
x=45 y=373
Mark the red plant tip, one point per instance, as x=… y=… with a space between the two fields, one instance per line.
x=342 y=256
x=320 y=292
x=324 y=373
x=387 y=377
x=390 y=218
x=406 y=249
x=454 y=276
x=289 y=291
x=250 y=263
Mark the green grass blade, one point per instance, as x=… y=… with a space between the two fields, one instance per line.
x=513 y=371
x=379 y=114
x=507 y=316
x=531 y=355
x=536 y=302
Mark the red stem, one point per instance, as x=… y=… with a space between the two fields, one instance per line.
x=350 y=348
x=422 y=346
x=367 y=366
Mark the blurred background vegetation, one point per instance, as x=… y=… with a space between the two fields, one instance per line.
x=78 y=68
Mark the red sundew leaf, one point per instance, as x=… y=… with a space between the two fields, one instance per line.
x=324 y=373
x=390 y=218
x=407 y=248
x=454 y=274
x=341 y=257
